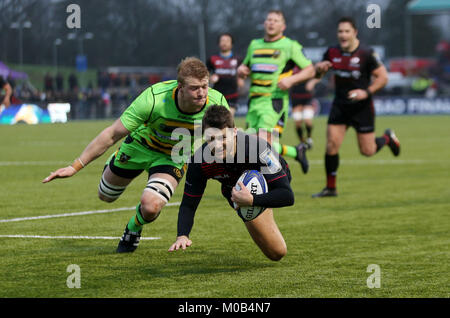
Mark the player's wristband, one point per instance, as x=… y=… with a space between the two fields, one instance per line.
x=78 y=164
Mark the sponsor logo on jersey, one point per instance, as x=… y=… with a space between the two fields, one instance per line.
x=123 y=159
x=224 y=176
x=177 y=172
x=225 y=71
x=354 y=60
x=264 y=68
x=356 y=74
x=344 y=74
x=337 y=60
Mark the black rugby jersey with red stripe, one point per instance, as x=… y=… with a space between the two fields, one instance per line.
x=226 y=68
x=352 y=70
x=256 y=155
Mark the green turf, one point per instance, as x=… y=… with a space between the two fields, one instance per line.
x=393 y=212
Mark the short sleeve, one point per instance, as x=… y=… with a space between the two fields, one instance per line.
x=139 y=111
x=247 y=58
x=373 y=60
x=298 y=55
x=326 y=55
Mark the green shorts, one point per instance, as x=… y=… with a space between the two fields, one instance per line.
x=267 y=113
x=132 y=158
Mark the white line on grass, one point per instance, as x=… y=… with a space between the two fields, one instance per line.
x=72 y=237
x=75 y=214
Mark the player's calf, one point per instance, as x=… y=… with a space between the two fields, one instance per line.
x=368 y=150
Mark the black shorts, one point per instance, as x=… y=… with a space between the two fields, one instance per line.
x=133 y=173
x=301 y=101
x=360 y=116
x=301 y=97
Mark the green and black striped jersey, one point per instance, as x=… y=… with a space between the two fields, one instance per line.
x=154 y=115
x=271 y=61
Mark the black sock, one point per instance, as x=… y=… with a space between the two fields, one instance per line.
x=381 y=141
x=309 y=131
x=300 y=133
x=331 y=167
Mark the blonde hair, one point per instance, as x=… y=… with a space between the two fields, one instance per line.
x=279 y=12
x=191 y=67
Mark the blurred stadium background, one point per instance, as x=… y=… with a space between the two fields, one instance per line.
x=123 y=47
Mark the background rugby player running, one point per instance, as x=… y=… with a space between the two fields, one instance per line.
x=223 y=69
x=229 y=146
x=269 y=63
x=354 y=68
x=148 y=124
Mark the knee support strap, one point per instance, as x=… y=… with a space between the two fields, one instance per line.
x=109 y=190
x=161 y=187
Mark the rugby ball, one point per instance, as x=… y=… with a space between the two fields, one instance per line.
x=255 y=182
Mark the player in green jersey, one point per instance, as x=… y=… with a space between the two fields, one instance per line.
x=269 y=63
x=149 y=124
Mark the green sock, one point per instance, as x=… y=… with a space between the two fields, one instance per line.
x=137 y=221
x=285 y=150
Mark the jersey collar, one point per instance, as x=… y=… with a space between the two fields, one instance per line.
x=226 y=57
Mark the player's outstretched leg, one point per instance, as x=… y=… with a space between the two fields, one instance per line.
x=265 y=233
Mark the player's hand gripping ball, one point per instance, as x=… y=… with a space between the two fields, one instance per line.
x=255 y=182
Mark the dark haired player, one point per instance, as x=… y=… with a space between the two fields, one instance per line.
x=223 y=69
x=233 y=153
x=354 y=66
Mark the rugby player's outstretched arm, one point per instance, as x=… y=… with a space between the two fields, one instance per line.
x=302 y=76
x=321 y=68
x=95 y=149
x=194 y=187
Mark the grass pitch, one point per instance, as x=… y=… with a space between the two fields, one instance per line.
x=392 y=212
